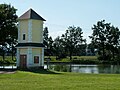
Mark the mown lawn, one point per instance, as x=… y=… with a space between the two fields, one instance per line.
x=25 y=80
x=67 y=59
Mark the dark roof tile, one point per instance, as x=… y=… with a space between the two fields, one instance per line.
x=31 y=14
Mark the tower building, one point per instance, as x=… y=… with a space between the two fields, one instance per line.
x=30 y=48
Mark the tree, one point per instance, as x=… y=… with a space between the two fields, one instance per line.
x=48 y=42
x=50 y=46
x=12 y=41
x=80 y=50
x=106 y=39
x=8 y=29
x=45 y=39
x=91 y=48
x=58 y=48
x=113 y=40
x=100 y=32
x=72 y=38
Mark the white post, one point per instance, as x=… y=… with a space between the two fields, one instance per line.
x=18 y=57
x=43 y=56
x=29 y=57
x=19 y=32
x=40 y=63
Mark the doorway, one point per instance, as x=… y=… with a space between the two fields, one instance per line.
x=23 y=61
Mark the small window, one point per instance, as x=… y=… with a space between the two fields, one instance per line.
x=23 y=36
x=36 y=59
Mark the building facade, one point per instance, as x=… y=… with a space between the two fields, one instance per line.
x=30 y=48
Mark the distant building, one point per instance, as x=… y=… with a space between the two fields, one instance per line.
x=30 y=48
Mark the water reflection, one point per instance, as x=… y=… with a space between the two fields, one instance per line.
x=86 y=68
x=8 y=67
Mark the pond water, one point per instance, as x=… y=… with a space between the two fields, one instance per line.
x=80 y=68
x=113 y=69
x=8 y=67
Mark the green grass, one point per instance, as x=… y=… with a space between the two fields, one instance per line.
x=46 y=80
x=86 y=57
x=53 y=58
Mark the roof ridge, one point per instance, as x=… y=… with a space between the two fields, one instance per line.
x=31 y=14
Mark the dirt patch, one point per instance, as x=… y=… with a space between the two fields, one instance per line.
x=7 y=72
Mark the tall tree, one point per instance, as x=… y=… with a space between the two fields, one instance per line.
x=8 y=20
x=99 y=36
x=113 y=39
x=45 y=39
x=91 y=48
x=50 y=46
x=106 y=39
x=72 y=38
x=58 y=48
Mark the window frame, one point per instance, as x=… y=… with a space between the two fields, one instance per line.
x=36 y=62
x=23 y=36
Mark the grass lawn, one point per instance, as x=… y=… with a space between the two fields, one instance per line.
x=43 y=80
x=53 y=58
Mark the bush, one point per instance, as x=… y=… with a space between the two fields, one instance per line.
x=82 y=61
x=7 y=61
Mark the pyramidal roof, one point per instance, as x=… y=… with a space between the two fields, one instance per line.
x=31 y=14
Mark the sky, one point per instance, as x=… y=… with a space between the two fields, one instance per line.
x=60 y=14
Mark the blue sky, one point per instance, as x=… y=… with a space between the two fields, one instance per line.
x=60 y=14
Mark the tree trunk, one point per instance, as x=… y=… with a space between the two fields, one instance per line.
x=113 y=54
x=103 y=52
x=3 y=53
x=70 y=54
x=12 y=52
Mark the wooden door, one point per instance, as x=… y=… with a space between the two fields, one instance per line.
x=23 y=61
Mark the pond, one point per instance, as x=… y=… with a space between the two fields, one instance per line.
x=80 y=68
x=96 y=69
x=8 y=67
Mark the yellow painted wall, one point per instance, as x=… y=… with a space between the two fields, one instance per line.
x=23 y=50
x=37 y=52
x=23 y=29
x=37 y=31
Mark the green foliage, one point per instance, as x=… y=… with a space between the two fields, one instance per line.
x=45 y=37
x=85 y=60
x=71 y=39
x=48 y=42
x=8 y=28
x=8 y=20
x=76 y=60
x=59 y=49
x=82 y=61
x=7 y=61
x=106 y=39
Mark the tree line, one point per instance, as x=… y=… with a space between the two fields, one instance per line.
x=70 y=43
x=105 y=39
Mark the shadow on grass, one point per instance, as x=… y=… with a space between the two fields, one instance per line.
x=43 y=71
x=40 y=71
